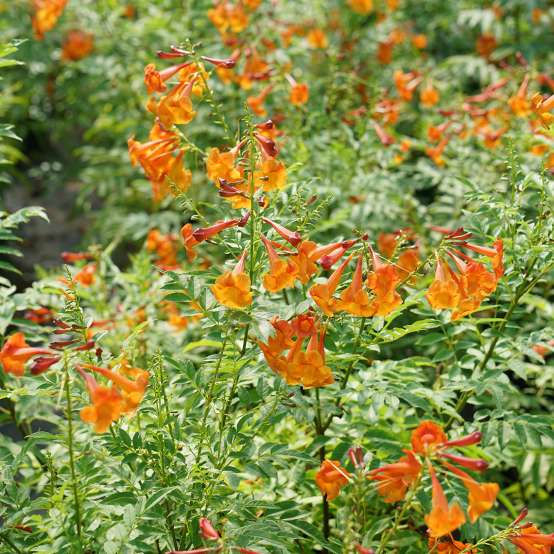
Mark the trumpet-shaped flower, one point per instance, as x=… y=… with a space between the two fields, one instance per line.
x=281 y=274
x=322 y=293
x=232 y=289
x=16 y=352
x=331 y=477
x=355 y=300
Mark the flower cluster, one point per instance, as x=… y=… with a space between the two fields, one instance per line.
x=45 y=15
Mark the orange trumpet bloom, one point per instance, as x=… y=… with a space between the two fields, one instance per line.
x=542 y=107
x=131 y=390
x=429 y=96
x=16 y=352
x=309 y=367
x=317 y=39
x=450 y=546
x=428 y=437
x=481 y=495
x=363 y=7
x=444 y=291
x=519 y=103
x=395 y=479
x=232 y=289
x=222 y=165
x=282 y=273
x=354 y=299
x=86 y=276
x=442 y=519
x=164 y=246
x=107 y=404
x=175 y=108
x=322 y=293
x=256 y=103
x=330 y=478
x=530 y=540
x=383 y=281
x=155 y=80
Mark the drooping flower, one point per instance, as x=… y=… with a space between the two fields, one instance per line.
x=107 y=405
x=16 y=353
x=322 y=293
x=317 y=38
x=256 y=103
x=394 y=480
x=383 y=281
x=131 y=390
x=481 y=495
x=223 y=165
x=444 y=292
x=406 y=83
x=86 y=276
x=164 y=247
x=232 y=289
x=519 y=103
x=309 y=367
x=530 y=540
x=282 y=273
x=443 y=518
x=77 y=45
x=155 y=80
x=354 y=299
x=542 y=107
x=207 y=530
x=331 y=477
x=175 y=108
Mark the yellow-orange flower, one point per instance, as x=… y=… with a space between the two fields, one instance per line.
x=232 y=289
x=322 y=293
x=222 y=165
x=106 y=406
x=363 y=7
x=330 y=478
x=317 y=38
x=45 y=15
x=444 y=292
x=429 y=95
x=281 y=274
x=419 y=41
x=519 y=103
x=354 y=299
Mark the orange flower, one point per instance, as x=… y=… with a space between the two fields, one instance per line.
x=222 y=165
x=542 y=108
x=309 y=367
x=419 y=41
x=354 y=299
x=395 y=479
x=175 y=108
x=77 y=45
x=299 y=94
x=131 y=390
x=444 y=291
x=330 y=478
x=363 y=7
x=485 y=45
x=450 y=546
x=282 y=273
x=530 y=540
x=317 y=39
x=429 y=95
x=518 y=103
x=406 y=83
x=481 y=495
x=387 y=242
x=496 y=255
x=155 y=80
x=427 y=437
x=442 y=519
x=476 y=283
x=86 y=276
x=232 y=289
x=322 y=293
x=408 y=261
x=16 y=352
x=228 y=18
x=384 y=51
x=45 y=15
x=256 y=103
x=435 y=152
x=270 y=174
x=383 y=281
x=164 y=246
x=107 y=404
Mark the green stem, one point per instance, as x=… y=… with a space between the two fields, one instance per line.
x=72 y=455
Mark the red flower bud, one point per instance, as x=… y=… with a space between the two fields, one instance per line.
x=207 y=530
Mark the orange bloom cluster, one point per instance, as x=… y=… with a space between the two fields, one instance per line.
x=16 y=353
x=430 y=442
x=165 y=248
x=530 y=540
x=164 y=170
x=45 y=15
x=464 y=290
x=355 y=300
x=330 y=478
x=179 y=321
x=77 y=45
x=108 y=403
x=226 y=169
x=298 y=367
x=231 y=18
